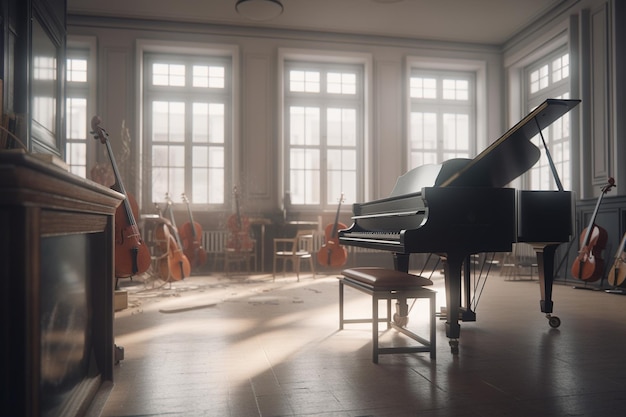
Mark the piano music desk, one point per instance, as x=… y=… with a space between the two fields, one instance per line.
x=388 y=284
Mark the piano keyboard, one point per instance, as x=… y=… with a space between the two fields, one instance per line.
x=374 y=235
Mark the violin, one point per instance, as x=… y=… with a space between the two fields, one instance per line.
x=588 y=265
x=132 y=256
x=617 y=274
x=332 y=253
x=191 y=233
x=239 y=227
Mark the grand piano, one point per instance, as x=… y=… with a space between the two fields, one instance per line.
x=462 y=207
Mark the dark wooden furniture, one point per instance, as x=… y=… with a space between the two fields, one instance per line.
x=460 y=208
x=56 y=263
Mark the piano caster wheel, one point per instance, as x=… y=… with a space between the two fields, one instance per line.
x=553 y=321
x=454 y=346
x=399 y=320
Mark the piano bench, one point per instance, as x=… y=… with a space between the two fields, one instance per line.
x=388 y=284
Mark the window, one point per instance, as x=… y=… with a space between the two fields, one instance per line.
x=77 y=111
x=186 y=118
x=549 y=78
x=442 y=116
x=324 y=132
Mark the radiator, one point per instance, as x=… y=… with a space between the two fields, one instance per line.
x=214 y=241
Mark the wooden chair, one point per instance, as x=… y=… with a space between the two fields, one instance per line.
x=237 y=258
x=294 y=250
x=522 y=260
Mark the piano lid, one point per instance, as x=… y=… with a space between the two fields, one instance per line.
x=512 y=154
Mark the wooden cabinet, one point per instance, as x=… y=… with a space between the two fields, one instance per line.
x=33 y=41
x=56 y=264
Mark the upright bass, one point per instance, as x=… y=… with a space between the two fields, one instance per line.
x=332 y=253
x=589 y=265
x=132 y=256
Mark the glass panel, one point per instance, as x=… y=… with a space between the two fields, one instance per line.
x=341 y=127
x=200 y=123
x=217 y=123
x=209 y=76
x=304 y=81
x=76 y=109
x=172 y=75
x=217 y=77
x=423 y=130
x=168 y=121
x=455 y=89
x=304 y=125
x=423 y=87
x=341 y=83
x=77 y=70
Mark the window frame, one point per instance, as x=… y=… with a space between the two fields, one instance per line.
x=559 y=89
x=441 y=106
x=227 y=53
x=83 y=47
x=291 y=59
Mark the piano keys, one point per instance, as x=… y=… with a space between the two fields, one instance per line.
x=462 y=207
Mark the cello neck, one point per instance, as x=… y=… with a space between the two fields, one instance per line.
x=101 y=134
x=335 y=226
x=605 y=190
x=191 y=221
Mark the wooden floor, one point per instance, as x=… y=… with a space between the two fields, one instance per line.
x=247 y=346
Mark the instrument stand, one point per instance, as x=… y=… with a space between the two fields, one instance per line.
x=576 y=287
x=615 y=291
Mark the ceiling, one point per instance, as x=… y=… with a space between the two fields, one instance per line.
x=475 y=21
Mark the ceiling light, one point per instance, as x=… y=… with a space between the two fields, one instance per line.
x=259 y=9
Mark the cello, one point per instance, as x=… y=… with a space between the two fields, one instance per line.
x=588 y=265
x=332 y=253
x=178 y=263
x=132 y=256
x=239 y=227
x=191 y=233
x=617 y=274
x=175 y=266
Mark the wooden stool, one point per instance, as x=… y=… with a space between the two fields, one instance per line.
x=388 y=284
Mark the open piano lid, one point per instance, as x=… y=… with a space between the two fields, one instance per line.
x=512 y=154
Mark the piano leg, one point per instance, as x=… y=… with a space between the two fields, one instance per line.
x=401 y=261
x=545 y=266
x=453 y=265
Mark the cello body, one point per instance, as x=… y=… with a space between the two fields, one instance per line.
x=191 y=235
x=617 y=273
x=132 y=256
x=589 y=265
x=173 y=264
x=332 y=253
